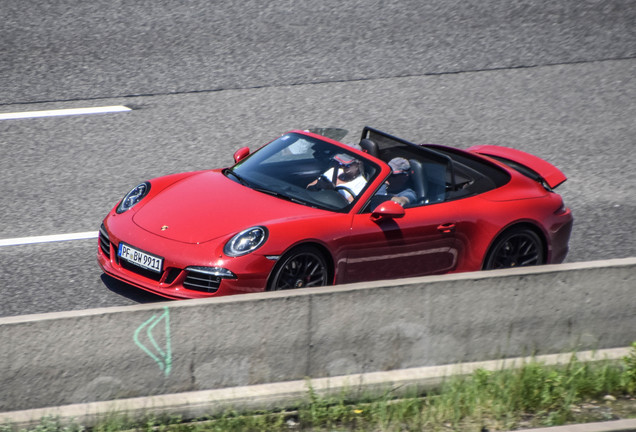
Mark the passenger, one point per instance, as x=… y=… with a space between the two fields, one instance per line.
x=346 y=177
x=396 y=186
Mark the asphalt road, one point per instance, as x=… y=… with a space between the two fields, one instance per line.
x=556 y=80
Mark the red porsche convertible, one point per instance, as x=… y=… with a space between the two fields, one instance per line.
x=306 y=210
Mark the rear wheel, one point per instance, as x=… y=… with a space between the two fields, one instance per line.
x=517 y=247
x=302 y=267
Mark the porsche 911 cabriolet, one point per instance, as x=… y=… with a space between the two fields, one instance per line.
x=307 y=210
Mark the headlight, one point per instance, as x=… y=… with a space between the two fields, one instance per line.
x=133 y=197
x=246 y=241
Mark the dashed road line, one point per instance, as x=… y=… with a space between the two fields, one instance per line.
x=48 y=238
x=64 y=112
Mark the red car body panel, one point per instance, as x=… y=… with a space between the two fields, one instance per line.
x=187 y=219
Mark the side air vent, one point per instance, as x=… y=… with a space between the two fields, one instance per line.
x=104 y=241
x=201 y=281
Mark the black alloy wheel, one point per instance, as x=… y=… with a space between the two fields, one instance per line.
x=302 y=267
x=518 y=247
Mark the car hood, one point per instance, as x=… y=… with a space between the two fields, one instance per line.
x=208 y=205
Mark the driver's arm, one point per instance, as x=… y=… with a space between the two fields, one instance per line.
x=323 y=182
x=405 y=197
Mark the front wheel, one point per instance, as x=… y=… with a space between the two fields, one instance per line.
x=302 y=267
x=518 y=247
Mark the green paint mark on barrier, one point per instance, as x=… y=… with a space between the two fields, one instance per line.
x=162 y=356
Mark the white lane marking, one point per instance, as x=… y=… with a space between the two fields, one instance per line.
x=48 y=238
x=64 y=112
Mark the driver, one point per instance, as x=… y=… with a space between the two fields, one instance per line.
x=346 y=177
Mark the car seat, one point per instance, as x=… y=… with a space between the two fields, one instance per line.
x=370 y=147
x=417 y=180
x=435 y=181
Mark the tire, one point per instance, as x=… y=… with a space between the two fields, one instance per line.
x=302 y=267
x=517 y=247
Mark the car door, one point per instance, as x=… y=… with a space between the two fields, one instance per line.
x=422 y=242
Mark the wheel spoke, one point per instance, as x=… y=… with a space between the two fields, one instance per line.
x=531 y=260
x=316 y=275
x=528 y=254
x=526 y=247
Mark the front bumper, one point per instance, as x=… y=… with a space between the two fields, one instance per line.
x=188 y=270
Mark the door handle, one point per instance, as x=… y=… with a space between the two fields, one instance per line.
x=446 y=228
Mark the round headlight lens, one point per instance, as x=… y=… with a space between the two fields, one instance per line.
x=133 y=197
x=246 y=241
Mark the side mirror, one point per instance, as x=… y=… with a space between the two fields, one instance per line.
x=241 y=153
x=387 y=210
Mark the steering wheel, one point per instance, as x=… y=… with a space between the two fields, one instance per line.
x=321 y=184
x=346 y=189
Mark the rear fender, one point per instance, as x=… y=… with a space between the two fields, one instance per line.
x=530 y=165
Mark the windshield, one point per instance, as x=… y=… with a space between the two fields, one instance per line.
x=308 y=171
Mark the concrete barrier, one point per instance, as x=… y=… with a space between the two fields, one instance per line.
x=105 y=354
x=286 y=395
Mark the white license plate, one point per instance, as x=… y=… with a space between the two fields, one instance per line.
x=140 y=258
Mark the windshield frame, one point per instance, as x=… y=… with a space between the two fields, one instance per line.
x=286 y=166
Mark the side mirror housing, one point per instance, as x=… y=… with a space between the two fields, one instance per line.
x=387 y=210
x=241 y=153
